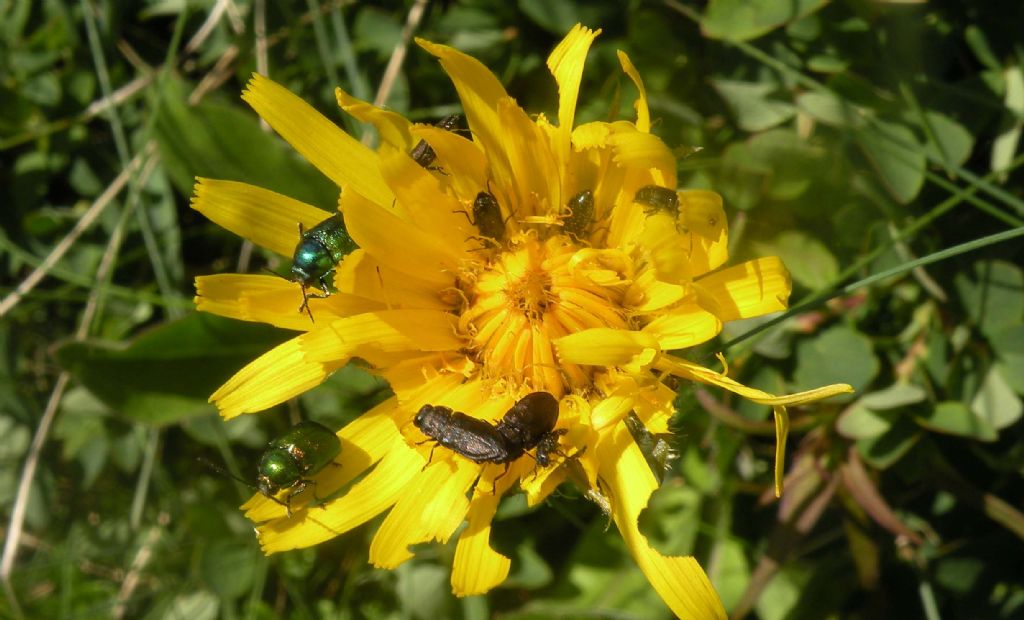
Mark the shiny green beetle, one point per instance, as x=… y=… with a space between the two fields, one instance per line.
x=303 y=451
x=319 y=250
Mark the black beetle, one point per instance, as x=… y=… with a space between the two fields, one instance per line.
x=423 y=154
x=656 y=198
x=581 y=213
x=528 y=424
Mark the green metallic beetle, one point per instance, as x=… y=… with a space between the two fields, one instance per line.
x=319 y=251
x=303 y=451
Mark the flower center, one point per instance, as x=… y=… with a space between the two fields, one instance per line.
x=529 y=294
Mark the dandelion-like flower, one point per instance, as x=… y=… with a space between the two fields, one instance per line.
x=520 y=260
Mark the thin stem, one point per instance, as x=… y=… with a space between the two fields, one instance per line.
x=348 y=56
x=387 y=81
x=820 y=298
x=323 y=45
x=145 y=475
x=100 y=62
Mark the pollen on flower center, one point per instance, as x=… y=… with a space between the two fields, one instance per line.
x=529 y=294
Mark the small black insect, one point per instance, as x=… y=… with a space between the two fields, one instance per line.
x=581 y=213
x=423 y=154
x=487 y=216
x=319 y=251
x=528 y=424
x=473 y=438
x=656 y=198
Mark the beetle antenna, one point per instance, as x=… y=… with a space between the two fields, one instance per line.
x=271 y=272
x=220 y=470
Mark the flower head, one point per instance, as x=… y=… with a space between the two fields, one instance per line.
x=528 y=256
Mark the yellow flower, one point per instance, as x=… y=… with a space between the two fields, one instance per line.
x=585 y=308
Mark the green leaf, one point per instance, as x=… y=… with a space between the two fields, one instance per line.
x=809 y=261
x=978 y=42
x=859 y=422
x=730 y=571
x=996 y=403
x=993 y=295
x=223 y=142
x=423 y=591
x=1004 y=147
x=751 y=105
x=827 y=63
x=897 y=157
x=167 y=374
x=198 y=605
x=529 y=570
x=953 y=143
x=555 y=16
x=954 y=418
x=836 y=355
x=1009 y=346
x=792 y=160
x=740 y=20
x=883 y=451
x=896 y=395
x=228 y=567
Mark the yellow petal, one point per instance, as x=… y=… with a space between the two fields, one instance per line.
x=392 y=127
x=566 y=65
x=655 y=407
x=649 y=294
x=608 y=347
x=702 y=219
x=750 y=289
x=387 y=330
x=274 y=300
x=478 y=567
x=400 y=244
x=680 y=581
x=695 y=372
x=461 y=159
x=361 y=274
x=433 y=505
x=376 y=492
x=268 y=219
x=684 y=326
x=433 y=211
x=643 y=115
x=333 y=152
x=613 y=407
x=480 y=92
x=529 y=155
x=591 y=135
x=364 y=441
x=272 y=378
x=643 y=151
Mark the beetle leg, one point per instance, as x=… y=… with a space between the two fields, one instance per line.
x=494 y=483
x=305 y=301
x=430 y=457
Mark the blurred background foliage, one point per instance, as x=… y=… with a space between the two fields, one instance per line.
x=874 y=145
